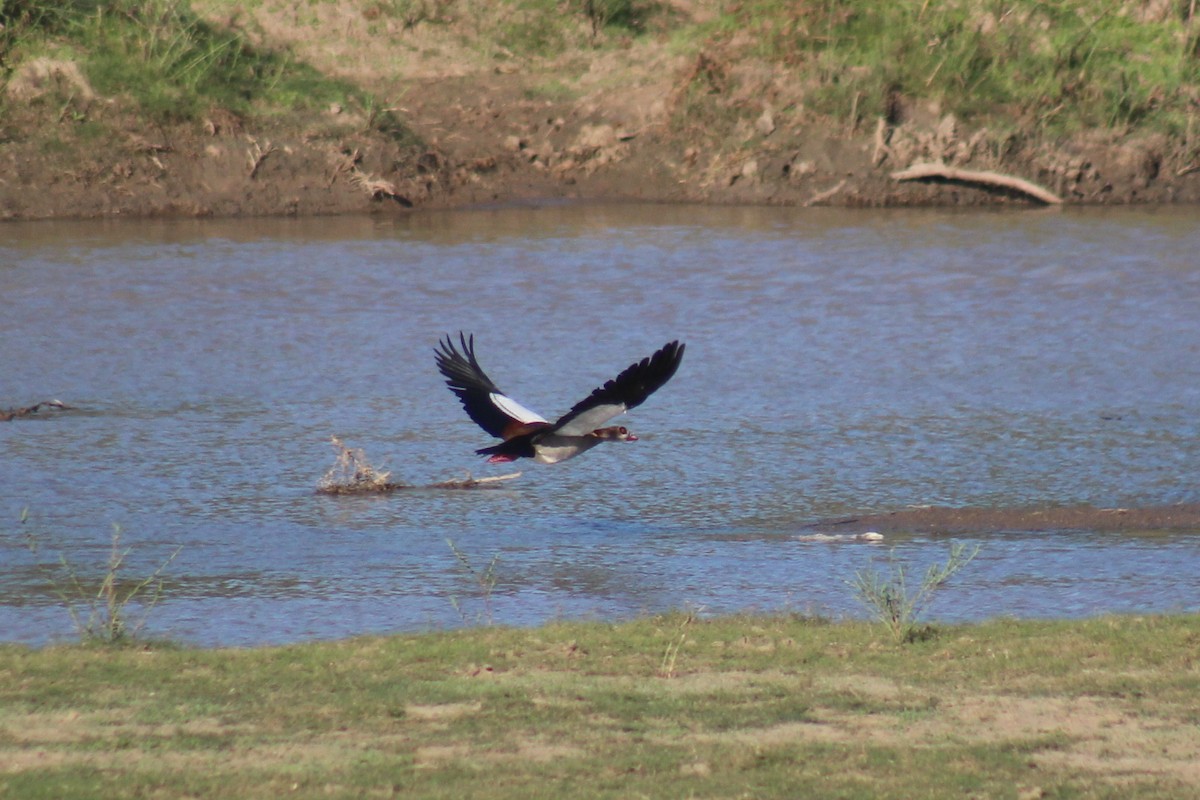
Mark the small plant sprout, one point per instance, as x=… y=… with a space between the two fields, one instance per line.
x=671 y=655
x=485 y=582
x=101 y=609
x=890 y=599
x=108 y=620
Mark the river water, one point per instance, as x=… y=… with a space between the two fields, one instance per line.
x=837 y=362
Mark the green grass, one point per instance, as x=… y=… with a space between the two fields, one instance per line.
x=170 y=64
x=754 y=706
x=1060 y=66
x=1042 y=68
x=548 y=28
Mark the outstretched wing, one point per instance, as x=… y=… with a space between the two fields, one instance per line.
x=627 y=390
x=490 y=408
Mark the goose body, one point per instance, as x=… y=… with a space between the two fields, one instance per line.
x=527 y=434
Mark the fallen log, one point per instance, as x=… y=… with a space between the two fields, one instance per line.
x=28 y=411
x=991 y=181
x=471 y=482
x=385 y=486
x=352 y=473
x=821 y=197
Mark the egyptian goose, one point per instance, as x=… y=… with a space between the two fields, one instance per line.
x=527 y=434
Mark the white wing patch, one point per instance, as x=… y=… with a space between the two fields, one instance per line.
x=591 y=419
x=515 y=409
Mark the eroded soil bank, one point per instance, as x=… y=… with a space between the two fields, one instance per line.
x=482 y=143
x=620 y=122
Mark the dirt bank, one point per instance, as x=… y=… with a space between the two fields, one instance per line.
x=605 y=123
x=483 y=141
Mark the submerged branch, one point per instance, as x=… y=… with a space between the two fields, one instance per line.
x=470 y=482
x=353 y=474
x=28 y=411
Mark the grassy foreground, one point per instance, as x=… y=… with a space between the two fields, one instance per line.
x=667 y=706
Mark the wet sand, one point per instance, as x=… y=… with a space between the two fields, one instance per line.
x=939 y=519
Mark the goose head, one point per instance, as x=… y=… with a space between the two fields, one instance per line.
x=615 y=433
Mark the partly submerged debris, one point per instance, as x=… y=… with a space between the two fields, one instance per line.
x=29 y=411
x=470 y=482
x=869 y=536
x=353 y=474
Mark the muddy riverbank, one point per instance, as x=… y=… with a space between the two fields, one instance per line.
x=944 y=520
x=618 y=118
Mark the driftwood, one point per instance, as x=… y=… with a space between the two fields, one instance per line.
x=470 y=482
x=991 y=181
x=353 y=474
x=834 y=538
x=259 y=155
x=821 y=197
x=384 y=487
x=28 y=411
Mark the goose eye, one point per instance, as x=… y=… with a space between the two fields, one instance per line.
x=622 y=430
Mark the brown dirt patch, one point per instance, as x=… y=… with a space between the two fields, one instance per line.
x=442 y=711
x=1108 y=737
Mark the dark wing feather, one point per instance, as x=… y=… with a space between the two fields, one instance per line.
x=628 y=390
x=476 y=390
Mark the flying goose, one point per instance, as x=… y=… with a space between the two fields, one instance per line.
x=527 y=434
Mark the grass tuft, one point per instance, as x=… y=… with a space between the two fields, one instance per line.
x=897 y=605
x=103 y=608
x=670 y=659
x=482 y=583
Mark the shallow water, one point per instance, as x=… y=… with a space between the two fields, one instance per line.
x=836 y=362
